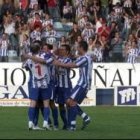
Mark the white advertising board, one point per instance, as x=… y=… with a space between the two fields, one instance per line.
x=14 y=81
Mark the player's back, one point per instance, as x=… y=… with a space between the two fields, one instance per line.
x=40 y=74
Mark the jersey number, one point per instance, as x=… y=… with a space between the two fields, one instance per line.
x=38 y=68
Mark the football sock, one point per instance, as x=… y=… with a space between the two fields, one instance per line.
x=63 y=115
x=55 y=116
x=36 y=116
x=49 y=121
x=68 y=115
x=81 y=113
x=42 y=111
x=46 y=113
x=72 y=116
x=31 y=113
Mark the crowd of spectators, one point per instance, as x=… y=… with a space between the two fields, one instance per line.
x=110 y=27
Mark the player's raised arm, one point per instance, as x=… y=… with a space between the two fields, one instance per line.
x=46 y=57
x=36 y=59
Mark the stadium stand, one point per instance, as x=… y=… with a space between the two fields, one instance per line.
x=96 y=19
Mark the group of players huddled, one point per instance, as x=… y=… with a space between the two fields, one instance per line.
x=50 y=84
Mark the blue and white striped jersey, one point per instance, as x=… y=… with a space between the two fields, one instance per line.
x=4 y=47
x=40 y=73
x=64 y=74
x=3 y=52
x=85 y=66
x=133 y=53
x=98 y=52
x=87 y=33
x=35 y=35
x=48 y=57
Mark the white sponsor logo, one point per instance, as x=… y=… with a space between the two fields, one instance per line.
x=127 y=95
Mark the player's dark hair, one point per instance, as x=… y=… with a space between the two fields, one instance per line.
x=67 y=47
x=34 y=48
x=50 y=47
x=83 y=45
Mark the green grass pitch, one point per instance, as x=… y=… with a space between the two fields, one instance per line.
x=106 y=123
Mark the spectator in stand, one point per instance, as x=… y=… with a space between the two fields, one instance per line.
x=118 y=14
x=43 y=5
x=78 y=6
x=104 y=30
x=4 y=46
x=118 y=9
x=7 y=6
x=23 y=29
x=48 y=20
x=76 y=44
x=127 y=26
x=36 y=34
x=116 y=48
x=63 y=41
x=134 y=25
x=105 y=48
x=132 y=53
x=25 y=45
x=82 y=12
x=113 y=29
x=50 y=35
x=53 y=9
x=98 y=21
x=74 y=33
x=128 y=45
x=18 y=20
x=9 y=28
x=36 y=21
x=61 y=5
x=91 y=44
x=95 y=6
x=112 y=17
x=88 y=32
x=104 y=8
x=35 y=10
x=83 y=21
x=67 y=11
x=131 y=38
x=98 y=51
x=32 y=3
x=24 y=5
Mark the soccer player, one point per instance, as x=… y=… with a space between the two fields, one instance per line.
x=79 y=92
x=49 y=57
x=39 y=87
x=64 y=84
x=47 y=60
x=39 y=105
